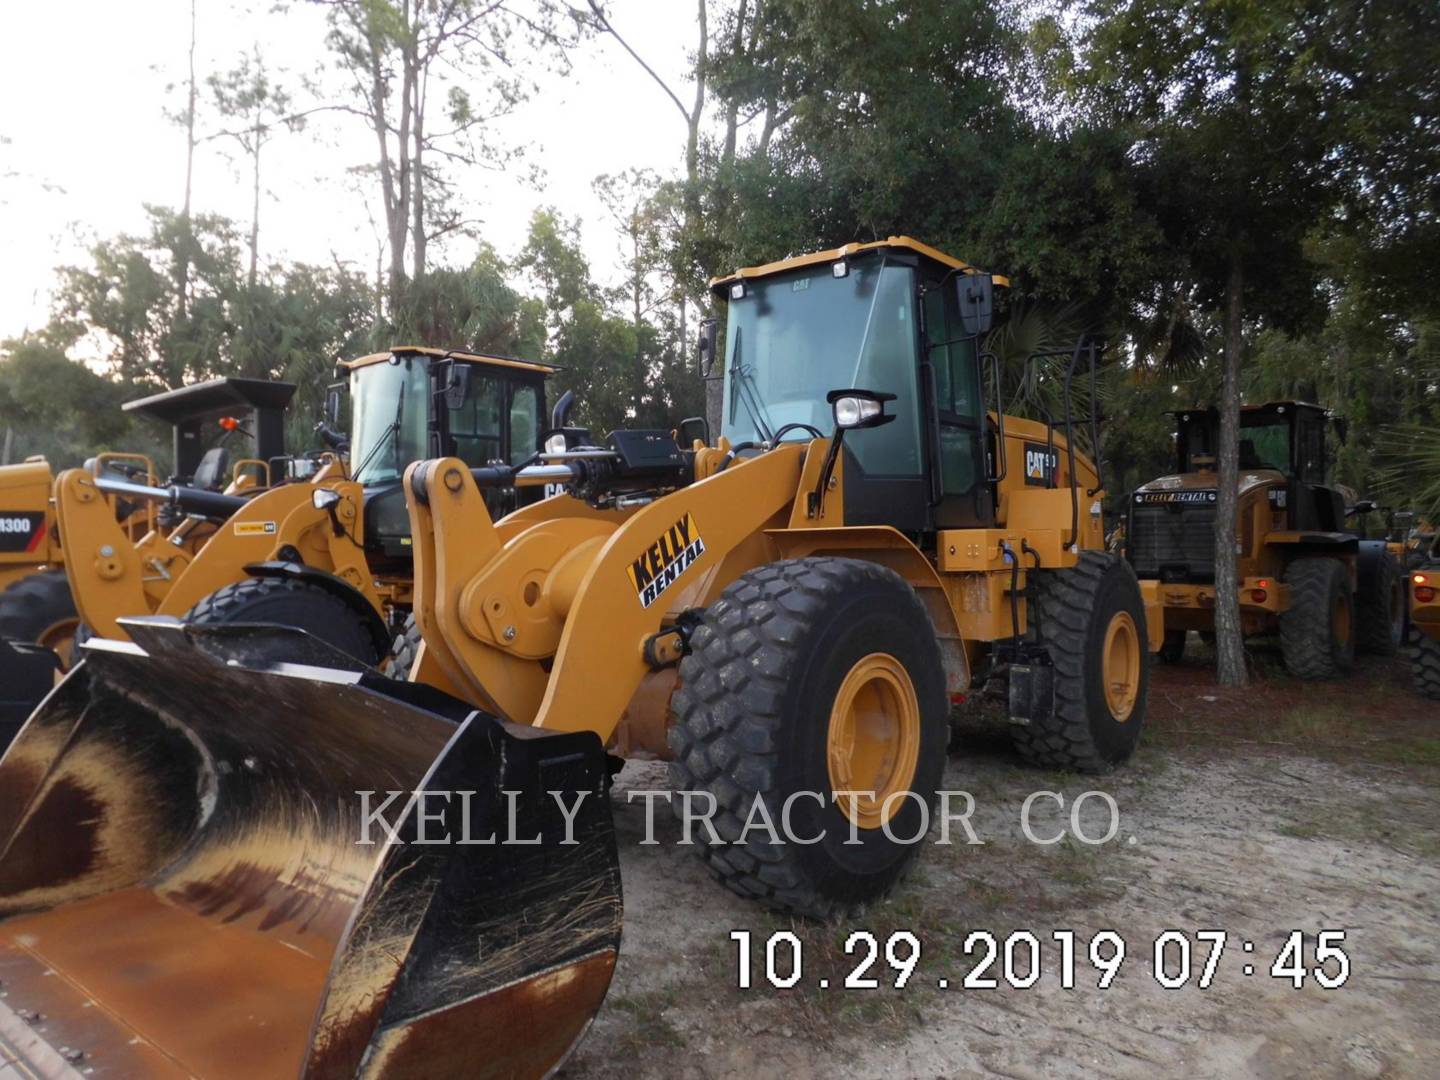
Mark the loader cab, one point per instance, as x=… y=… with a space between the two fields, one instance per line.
x=883 y=317
x=1288 y=437
x=205 y=417
x=414 y=403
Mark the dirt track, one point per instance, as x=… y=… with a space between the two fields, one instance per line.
x=1287 y=807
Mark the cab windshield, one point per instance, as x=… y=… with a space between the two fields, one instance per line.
x=793 y=338
x=1265 y=444
x=389 y=404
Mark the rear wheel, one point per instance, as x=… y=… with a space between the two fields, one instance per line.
x=1317 y=635
x=40 y=609
x=1173 y=651
x=807 y=679
x=1424 y=654
x=1380 y=626
x=287 y=602
x=1091 y=619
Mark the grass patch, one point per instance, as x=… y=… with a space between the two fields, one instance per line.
x=645 y=1026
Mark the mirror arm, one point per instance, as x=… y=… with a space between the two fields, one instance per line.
x=815 y=504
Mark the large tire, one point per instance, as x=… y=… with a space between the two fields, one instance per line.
x=784 y=647
x=1381 y=609
x=1317 y=635
x=288 y=602
x=1424 y=654
x=403 y=651
x=40 y=609
x=1091 y=619
x=1173 y=650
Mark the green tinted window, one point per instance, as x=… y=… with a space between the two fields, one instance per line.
x=524 y=423
x=1265 y=446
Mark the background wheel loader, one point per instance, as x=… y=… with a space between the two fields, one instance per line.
x=786 y=615
x=331 y=556
x=38 y=614
x=1302 y=573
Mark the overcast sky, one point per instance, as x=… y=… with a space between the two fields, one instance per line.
x=82 y=100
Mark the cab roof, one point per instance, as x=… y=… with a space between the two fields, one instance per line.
x=204 y=400
x=1269 y=406
x=449 y=354
x=905 y=243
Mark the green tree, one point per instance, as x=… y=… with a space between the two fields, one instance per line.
x=622 y=370
x=1203 y=90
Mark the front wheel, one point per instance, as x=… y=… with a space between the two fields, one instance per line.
x=287 y=602
x=1317 y=635
x=1091 y=619
x=40 y=610
x=813 y=696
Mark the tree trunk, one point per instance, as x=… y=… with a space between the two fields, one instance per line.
x=1229 y=643
x=417 y=180
x=182 y=265
x=255 y=203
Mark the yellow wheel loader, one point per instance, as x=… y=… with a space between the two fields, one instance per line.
x=38 y=614
x=1302 y=572
x=188 y=826
x=332 y=555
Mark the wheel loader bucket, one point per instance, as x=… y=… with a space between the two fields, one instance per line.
x=192 y=884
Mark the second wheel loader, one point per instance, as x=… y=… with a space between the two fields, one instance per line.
x=331 y=555
x=1302 y=572
x=786 y=614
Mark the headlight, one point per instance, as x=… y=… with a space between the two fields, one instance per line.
x=853 y=411
x=555 y=444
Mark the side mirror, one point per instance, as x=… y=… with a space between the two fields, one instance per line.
x=977 y=302
x=705 y=349
x=457 y=385
x=691 y=429
x=855 y=409
x=332 y=406
x=1342 y=429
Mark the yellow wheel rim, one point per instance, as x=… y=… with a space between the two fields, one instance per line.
x=874 y=739
x=59 y=637
x=1120 y=671
x=1341 y=620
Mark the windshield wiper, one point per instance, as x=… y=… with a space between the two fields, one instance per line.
x=742 y=388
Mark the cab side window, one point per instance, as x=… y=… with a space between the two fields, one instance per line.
x=475 y=425
x=524 y=423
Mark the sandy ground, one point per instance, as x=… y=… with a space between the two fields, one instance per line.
x=1283 y=808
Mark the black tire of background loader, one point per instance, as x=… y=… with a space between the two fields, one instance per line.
x=403 y=651
x=1424 y=655
x=289 y=603
x=32 y=605
x=1072 y=609
x=1173 y=651
x=1307 y=637
x=752 y=715
x=1377 y=631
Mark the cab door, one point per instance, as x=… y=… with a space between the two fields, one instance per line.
x=961 y=494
